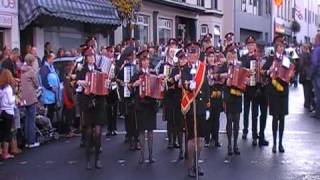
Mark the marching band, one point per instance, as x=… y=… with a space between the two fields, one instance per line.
x=194 y=85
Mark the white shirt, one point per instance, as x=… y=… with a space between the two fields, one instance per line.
x=7 y=100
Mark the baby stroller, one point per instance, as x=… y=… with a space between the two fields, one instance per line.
x=45 y=131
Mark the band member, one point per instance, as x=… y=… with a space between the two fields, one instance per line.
x=146 y=107
x=169 y=106
x=206 y=43
x=215 y=60
x=124 y=76
x=94 y=111
x=254 y=96
x=278 y=92
x=233 y=103
x=107 y=65
x=195 y=101
x=173 y=95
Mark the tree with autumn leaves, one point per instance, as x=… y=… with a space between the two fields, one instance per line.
x=127 y=9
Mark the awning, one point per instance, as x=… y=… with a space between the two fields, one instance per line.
x=87 y=11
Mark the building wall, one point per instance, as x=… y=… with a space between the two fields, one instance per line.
x=247 y=23
x=228 y=17
x=152 y=10
x=308 y=23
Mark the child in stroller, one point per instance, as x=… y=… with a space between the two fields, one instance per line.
x=45 y=131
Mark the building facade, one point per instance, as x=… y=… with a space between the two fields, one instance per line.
x=9 y=27
x=211 y=20
x=304 y=12
x=66 y=23
x=159 y=20
x=253 y=17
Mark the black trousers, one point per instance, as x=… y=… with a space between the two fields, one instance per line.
x=50 y=111
x=68 y=118
x=5 y=127
x=131 y=121
x=212 y=127
x=112 y=112
x=258 y=102
x=308 y=93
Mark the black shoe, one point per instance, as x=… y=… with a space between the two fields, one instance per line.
x=230 y=153
x=114 y=133
x=89 y=165
x=281 y=148
x=236 y=151
x=263 y=142
x=109 y=134
x=274 y=149
x=217 y=144
x=138 y=147
x=82 y=144
x=191 y=173
x=170 y=146
x=151 y=160
x=200 y=172
x=180 y=156
x=98 y=164
x=244 y=136
x=141 y=160
x=176 y=146
x=254 y=142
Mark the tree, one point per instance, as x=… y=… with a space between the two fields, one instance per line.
x=127 y=9
x=295 y=26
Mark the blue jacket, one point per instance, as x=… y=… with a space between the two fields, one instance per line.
x=315 y=62
x=50 y=84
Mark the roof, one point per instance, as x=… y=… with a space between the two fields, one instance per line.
x=87 y=11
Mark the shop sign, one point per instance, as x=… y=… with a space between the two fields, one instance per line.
x=5 y=21
x=10 y=6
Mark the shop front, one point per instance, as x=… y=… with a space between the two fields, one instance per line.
x=66 y=24
x=9 y=27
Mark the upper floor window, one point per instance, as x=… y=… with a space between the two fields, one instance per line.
x=251 y=6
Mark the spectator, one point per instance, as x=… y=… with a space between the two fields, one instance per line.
x=47 y=49
x=305 y=78
x=60 y=53
x=29 y=85
x=37 y=63
x=68 y=101
x=10 y=62
x=315 y=74
x=7 y=105
x=51 y=89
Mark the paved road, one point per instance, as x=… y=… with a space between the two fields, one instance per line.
x=64 y=160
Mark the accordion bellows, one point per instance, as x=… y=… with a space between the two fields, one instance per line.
x=97 y=83
x=238 y=77
x=279 y=72
x=151 y=86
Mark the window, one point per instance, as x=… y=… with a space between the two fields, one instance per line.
x=216 y=35
x=215 y=4
x=165 y=30
x=204 y=30
x=141 y=28
x=251 y=7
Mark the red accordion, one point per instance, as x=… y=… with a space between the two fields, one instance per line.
x=280 y=72
x=151 y=86
x=97 y=83
x=238 y=77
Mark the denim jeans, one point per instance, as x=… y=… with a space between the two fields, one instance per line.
x=316 y=86
x=30 y=124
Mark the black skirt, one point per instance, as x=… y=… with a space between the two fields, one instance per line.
x=278 y=105
x=146 y=113
x=174 y=117
x=94 y=115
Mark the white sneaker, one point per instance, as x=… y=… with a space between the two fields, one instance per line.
x=36 y=144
